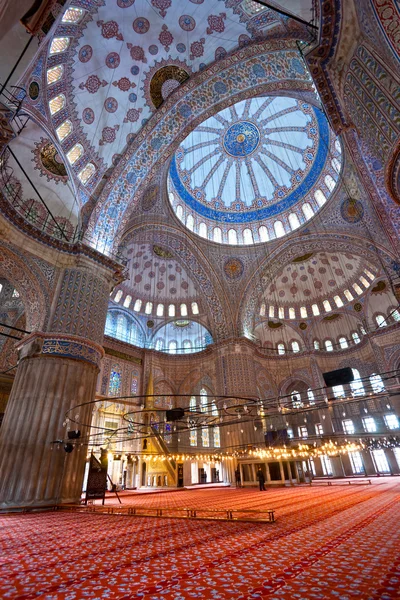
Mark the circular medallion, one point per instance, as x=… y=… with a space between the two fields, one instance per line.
x=141 y=25
x=34 y=90
x=358 y=307
x=241 y=139
x=352 y=210
x=233 y=268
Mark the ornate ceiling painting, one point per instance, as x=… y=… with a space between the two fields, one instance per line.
x=252 y=163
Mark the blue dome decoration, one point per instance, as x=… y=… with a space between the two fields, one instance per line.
x=259 y=160
x=241 y=139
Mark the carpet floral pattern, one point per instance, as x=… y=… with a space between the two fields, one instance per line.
x=338 y=542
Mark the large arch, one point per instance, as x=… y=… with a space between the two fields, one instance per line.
x=31 y=289
x=288 y=250
x=248 y=72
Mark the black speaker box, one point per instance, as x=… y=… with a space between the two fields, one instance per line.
x=276 y=438
x=175 y=414
x=338 y=377
x=73 y=434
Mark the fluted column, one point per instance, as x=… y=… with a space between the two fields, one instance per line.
x=56 y=375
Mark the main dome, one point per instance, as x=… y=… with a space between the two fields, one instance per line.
x=255 y=171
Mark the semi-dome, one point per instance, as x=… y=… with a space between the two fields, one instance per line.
x=255 y=171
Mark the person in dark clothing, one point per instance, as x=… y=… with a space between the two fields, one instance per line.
x=261 y=479
x=237 y=477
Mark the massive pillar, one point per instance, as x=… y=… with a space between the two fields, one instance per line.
x=56 y=373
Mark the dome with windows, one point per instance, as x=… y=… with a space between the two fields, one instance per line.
x=255 y=171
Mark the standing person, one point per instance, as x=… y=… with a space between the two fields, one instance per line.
x=261 y=479
x=237 y=477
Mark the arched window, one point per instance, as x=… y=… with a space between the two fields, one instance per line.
x=64 y=130
x=59 y=44
x=114 y=386
x=369 y=274
x=160 y=310
x=203 y=230
x=377 y=383
x=310 y=396
x=279 y=229
x=75 y=153
x=271 y=312
x=248 y=237
x=134 y=382
x=172 y=347
x=307 y=211
x=356 y=337
x=380 y=320
x=330 y=183
x=121 y=331
x=203 y=400
x=232 y=237
x=316 y=345
x=296 y=399
x=195 y=308
x=190 y=222
x=328 y=346
x=85 y=174
x=320 y=197
x=303 y=312
x=295 y=346
x=159 y=344
x=217 y=437
x=217 y=235
x=338 y=147
x=184 y=310
x=137 y=306
x=327 y=305
x=214 y=410
x=179 y=212
x=365 y=283
x=343 y=343
x=348 y=295
x=109 y=321
x=127 y=301
x=193 y=437
x=281 y=312
x=192 y=404
x=315 y=310
x=336 y=165
x=118 y=296
x=205 y=437
x=293 y=221
x=187 y=346
x=262 y=310
x=292 y=313
x=338 y=301
x=149 y=308
x=281 y=348
x=357 y=386
x=395 y=314
x=263 y=233
x=171 y=310
x=357 y=289
x=54 y=74
x=338 y=391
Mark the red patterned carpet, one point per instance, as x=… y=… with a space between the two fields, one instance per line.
x=338 y=542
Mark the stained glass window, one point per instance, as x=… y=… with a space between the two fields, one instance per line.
x=134 y=382
x=303 y=312
x=193 y=437
x=75 y=153
x=195 y=308
x=59 y=44
x=160 y=310
x=205 y=437
x=292 y=313
x=203 y=400
x=168 y=433
x=86 y=173
x=127 y=301
x=54 y=74
x=281 y=348
x=192 y=405
x=64 y=130
x=377 y=383
x=114 y=388
x=56 y=104
x=356 y=385
x=271 y=312
x=343 y=343
x=217 y=437
x=72 y=15
x=138 y=305
x=328 y=346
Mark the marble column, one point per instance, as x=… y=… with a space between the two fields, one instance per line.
x=56 y=377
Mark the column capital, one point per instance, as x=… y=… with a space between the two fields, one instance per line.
x=60 y=345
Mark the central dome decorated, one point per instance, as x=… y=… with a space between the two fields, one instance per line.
x=241 y=139
x=253 y=164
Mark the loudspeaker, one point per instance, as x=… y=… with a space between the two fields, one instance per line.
x=276 y=438
x=74 y=435
x=338 y=377
x=175 y=414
